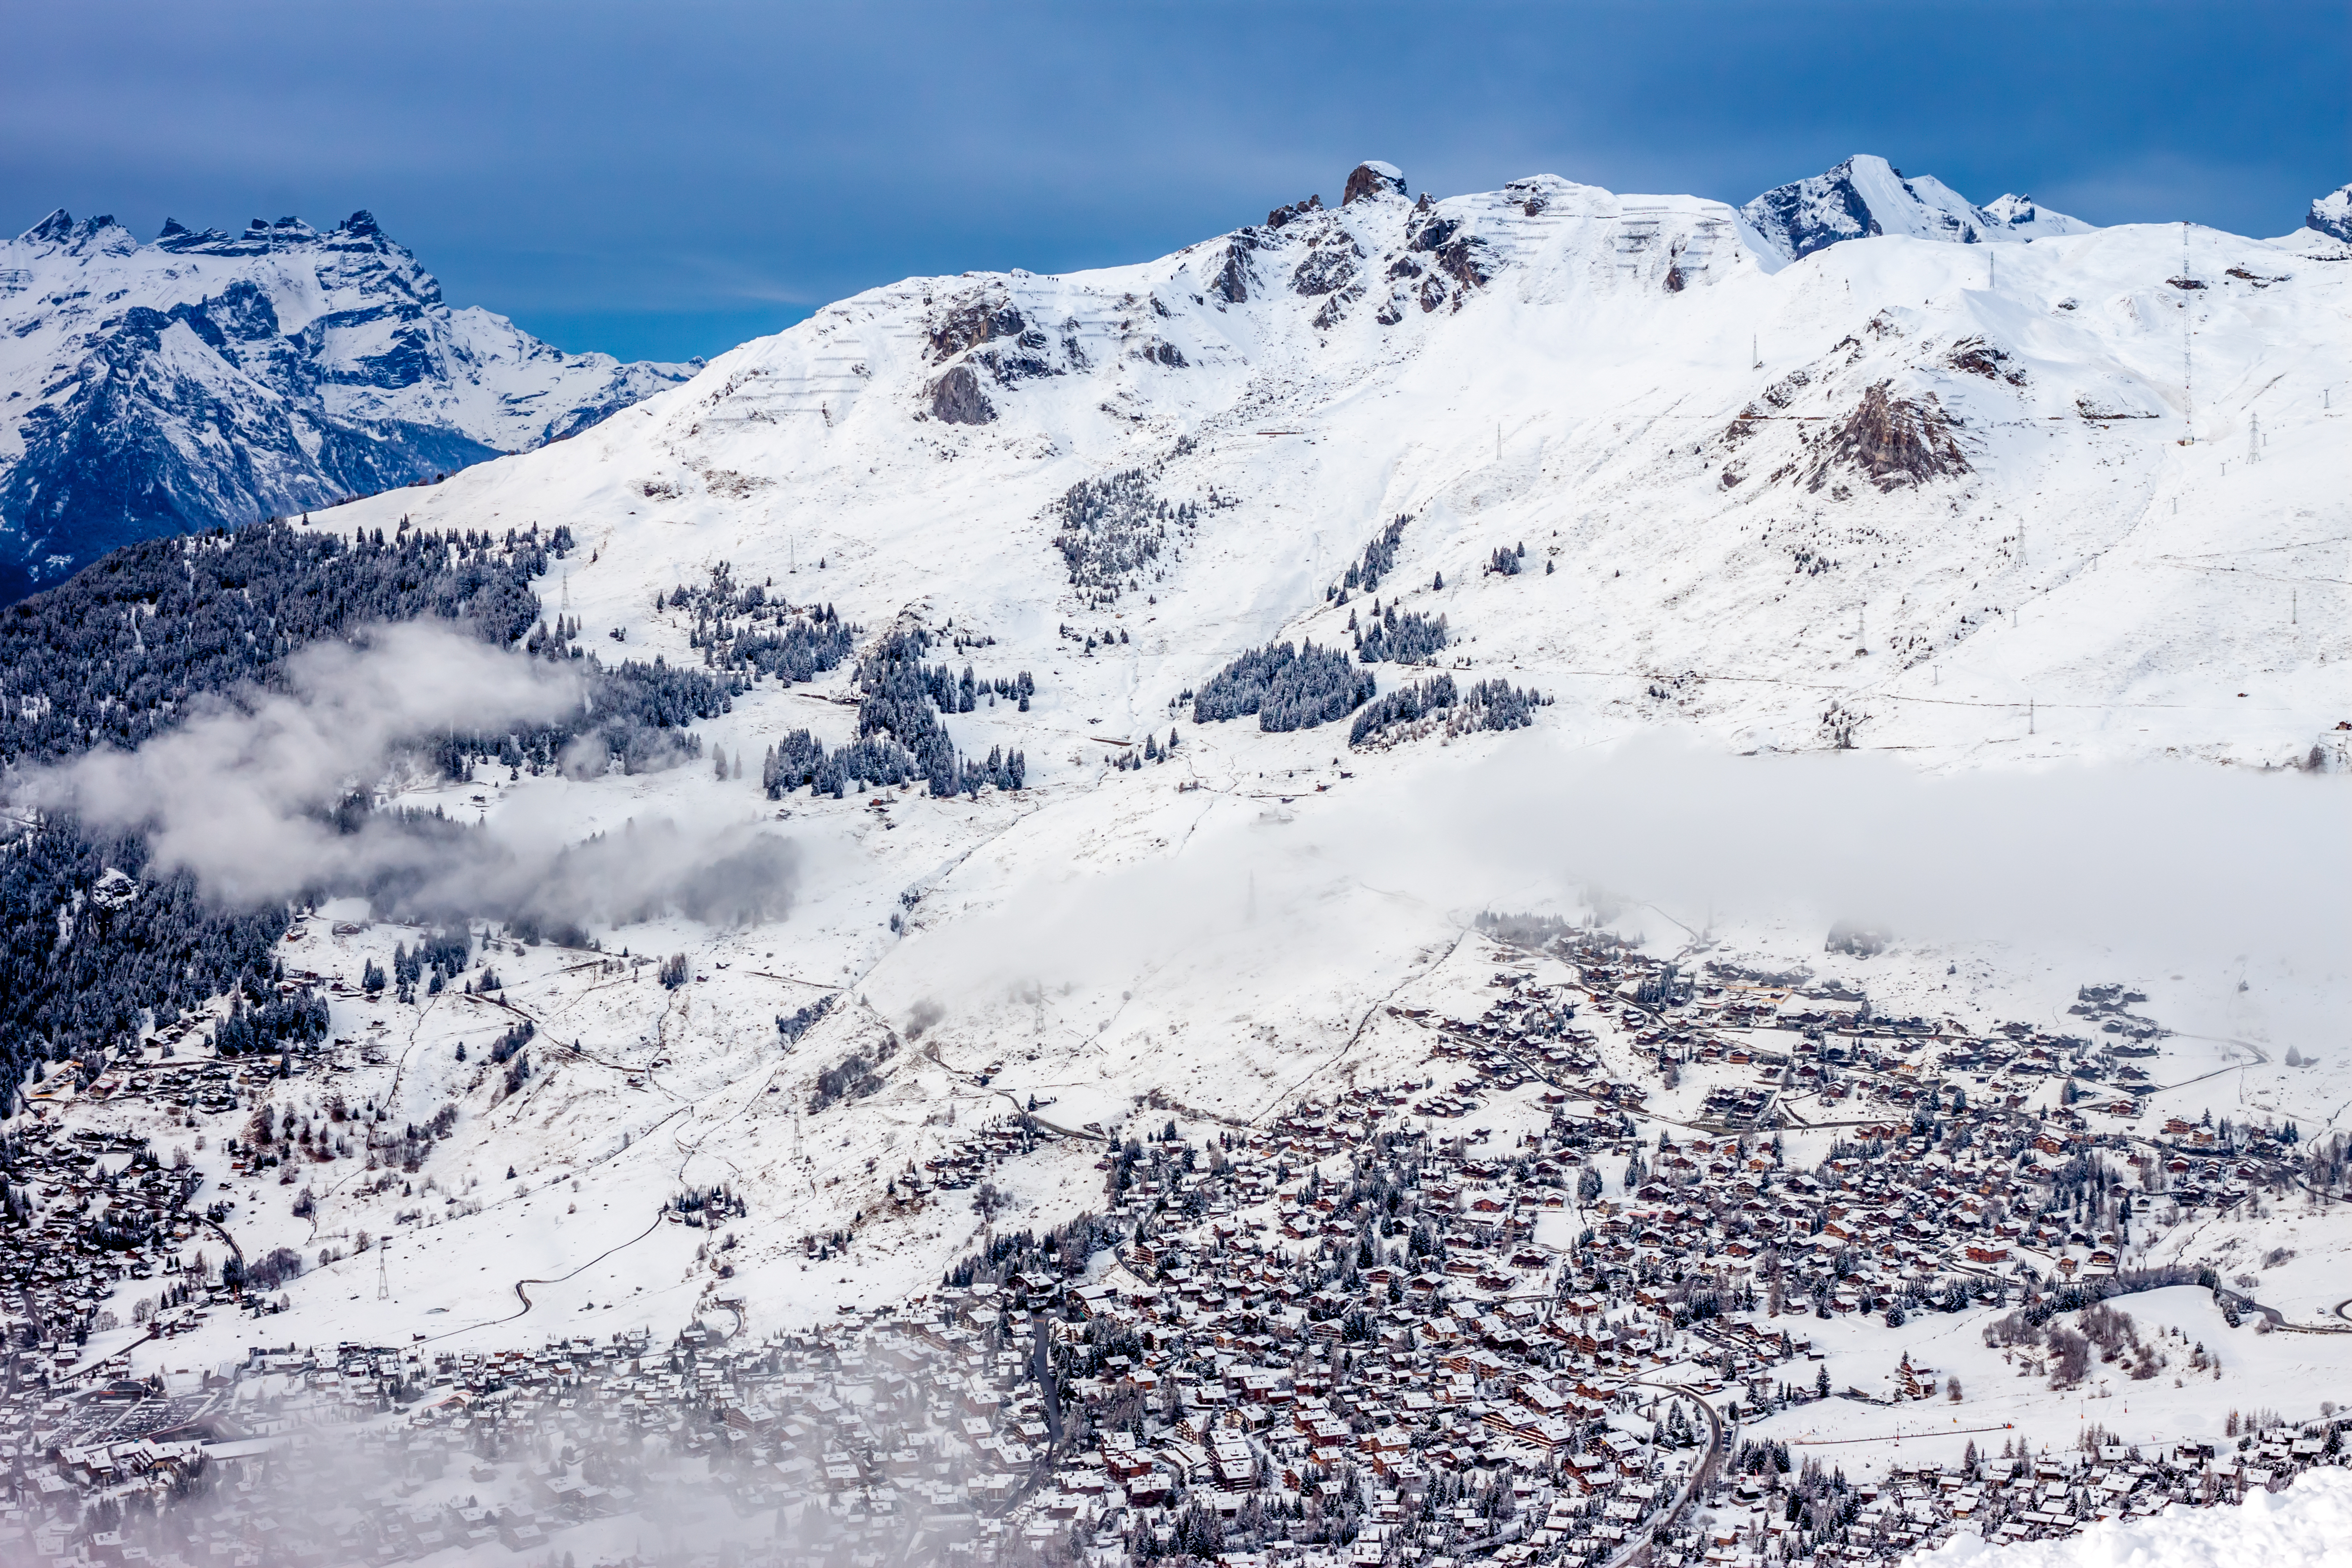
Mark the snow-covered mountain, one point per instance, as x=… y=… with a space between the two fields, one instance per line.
x=1883 y=498
x=1876 y=496
x=1890 y=493
x=2331 y=214
x=212 y=378
x=1866 y=196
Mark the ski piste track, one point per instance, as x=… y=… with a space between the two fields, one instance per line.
x=687 y=1152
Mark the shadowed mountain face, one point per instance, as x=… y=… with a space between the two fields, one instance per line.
x=1866 y=196
x=210 y=379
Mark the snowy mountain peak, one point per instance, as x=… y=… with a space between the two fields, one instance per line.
x=55 y=229
x=209 y=377
x=1866 y=195
x=1811 y=474
x=2331 y=214
x=2018 y=216
x=59 y=232
x=1374 y=178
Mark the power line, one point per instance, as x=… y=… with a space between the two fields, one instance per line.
x=2188 y=382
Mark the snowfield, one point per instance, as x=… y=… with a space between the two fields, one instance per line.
x=2306 y=1524
x=2099 y=564
x=1736 y=504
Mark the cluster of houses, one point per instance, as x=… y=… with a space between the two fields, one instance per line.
x=1355 y=1336
x=188 y=1085
x=1372 y=1331
x=85 y=1213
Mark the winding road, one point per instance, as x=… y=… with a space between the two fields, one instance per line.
x=1701 y=1473
x=524 y=1296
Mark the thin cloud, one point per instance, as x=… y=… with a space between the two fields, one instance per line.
x=243 y=795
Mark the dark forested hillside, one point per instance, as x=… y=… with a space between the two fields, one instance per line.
x=114 y=655
x=92 y=936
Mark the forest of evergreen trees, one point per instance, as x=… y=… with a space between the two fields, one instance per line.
x=1114 y=533
x=115 y=653
x=752 y=627
x=899 y=736
x=1287 y=686
x=1378 y=561
x=83 y=965
x=1393 y=637
x=1427 y=706
x=94 y=941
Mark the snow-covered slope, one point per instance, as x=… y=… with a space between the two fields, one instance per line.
x=1889 y=495
x=2303 y=1524
x=1866 y=196
x=1881 y=498
x=211 y=378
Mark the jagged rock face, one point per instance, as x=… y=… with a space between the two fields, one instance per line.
x=970 y=321
x=957 y=399
x=1374 y=178
x=2331 y=214
x=1232 y=283
x=1893 y=441
x=208 y=378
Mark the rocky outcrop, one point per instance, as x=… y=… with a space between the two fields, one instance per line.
x=1231 y=282
x=1281 y=216
x=1330 y=265
x=1892 y=442
x=971 y=322
x=1372 y=178
x=1454 y=253
x=957 y=398
x=2331 y=214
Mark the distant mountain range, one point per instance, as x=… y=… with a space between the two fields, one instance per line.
x=208 y=378
x=1866 y=196
x=202 y=379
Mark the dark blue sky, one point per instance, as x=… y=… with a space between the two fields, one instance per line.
x=662 y=179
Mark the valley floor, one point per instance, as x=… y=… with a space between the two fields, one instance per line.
x=1581 y=1243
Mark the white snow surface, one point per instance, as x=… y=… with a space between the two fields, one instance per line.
x=2020 y=216
x=1883 y=498
x=2307 y=1523
x=2115 y=561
